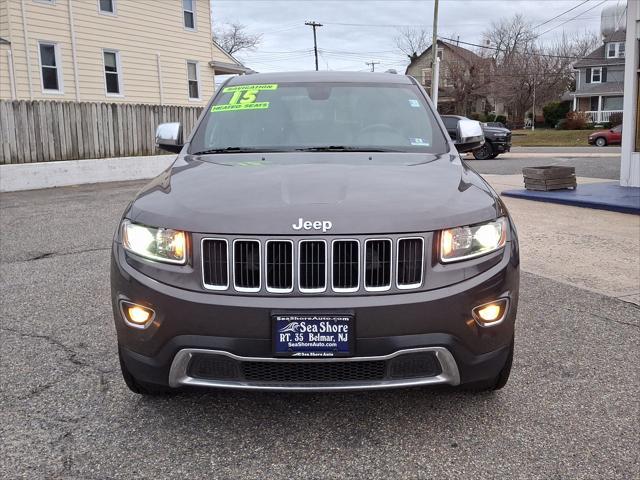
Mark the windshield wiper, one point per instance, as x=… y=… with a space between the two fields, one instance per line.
x=212 y=151
x=342 y=148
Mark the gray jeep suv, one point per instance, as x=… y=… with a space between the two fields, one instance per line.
x=317 y=231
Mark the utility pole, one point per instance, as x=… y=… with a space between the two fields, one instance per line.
x=314 y=25
x=372 y=64
x=435 y=72
x=533 y=118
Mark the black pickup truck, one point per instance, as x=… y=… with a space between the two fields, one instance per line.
x=497 y=140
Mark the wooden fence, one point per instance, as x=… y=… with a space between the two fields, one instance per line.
x=43 y=131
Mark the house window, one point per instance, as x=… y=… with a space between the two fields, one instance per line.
x=440 y=53
x=612 y=103
x=112 y=72
x=50 y=67
x=107 y=6
x=193 y=78
x=189 y=14
x=615 y=50
x=596 y=75
x=426 y=76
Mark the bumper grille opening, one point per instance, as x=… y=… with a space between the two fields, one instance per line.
x=377 y=275
x=405 y=366
x=246 y=260
x=215 y=264
x=346 y=265
x=410 y=260
x=279 y=266
x=313 y=372
x=313 y=266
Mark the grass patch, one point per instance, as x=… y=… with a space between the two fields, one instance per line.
x=550 y=138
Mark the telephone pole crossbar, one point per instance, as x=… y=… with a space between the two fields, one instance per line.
x=372 y=64
x=314 y=25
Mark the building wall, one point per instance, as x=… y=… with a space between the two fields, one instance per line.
x=141 y=30
x=615 y=73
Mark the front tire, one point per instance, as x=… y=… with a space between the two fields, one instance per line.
x=601 y=142
x=484 y=152
x=137 y=386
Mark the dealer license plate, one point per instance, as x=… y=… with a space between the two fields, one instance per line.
x=309 y=335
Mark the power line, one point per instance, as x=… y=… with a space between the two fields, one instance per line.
x=559 y=15
x=572 y=18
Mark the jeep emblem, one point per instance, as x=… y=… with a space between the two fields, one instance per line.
x=323 y=225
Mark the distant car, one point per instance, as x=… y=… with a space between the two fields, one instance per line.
x=495 y=124
x=602 y=138
x=497 y=140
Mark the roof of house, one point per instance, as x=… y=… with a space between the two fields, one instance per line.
x=598 y=56
x=232 y=66
x=617 y=36
x=463 y=53
x=590 y=89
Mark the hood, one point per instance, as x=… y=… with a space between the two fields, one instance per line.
x=267 y=194
x=495 y=129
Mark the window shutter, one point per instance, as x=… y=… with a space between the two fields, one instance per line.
x=588 y=79
x=604 y=74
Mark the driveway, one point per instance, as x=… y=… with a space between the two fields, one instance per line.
x=570 y=409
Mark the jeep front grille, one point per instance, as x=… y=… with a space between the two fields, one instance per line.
x=279 y=266
x=346 y=265
x=313 y=266
x=215 y=267
x=246 y=265
x=377 y=268
x=409 y=270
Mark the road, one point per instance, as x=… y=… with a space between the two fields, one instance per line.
x=570 y=409
x=584 y=159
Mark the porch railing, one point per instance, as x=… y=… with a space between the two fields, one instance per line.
x=601 y=116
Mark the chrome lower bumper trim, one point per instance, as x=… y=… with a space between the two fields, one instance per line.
x=178 y=374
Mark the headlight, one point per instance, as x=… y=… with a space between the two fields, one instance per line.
x=469 y=242
x=160 y=244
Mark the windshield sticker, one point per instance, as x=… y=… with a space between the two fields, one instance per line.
x=414 y=103
x=244 y=98
x=418 y=141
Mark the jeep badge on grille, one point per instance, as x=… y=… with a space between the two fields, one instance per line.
x=323 y=225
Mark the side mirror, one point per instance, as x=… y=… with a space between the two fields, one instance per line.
x=169 y=137
x=469 y=135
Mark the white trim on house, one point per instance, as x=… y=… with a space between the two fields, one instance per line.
x=593 y=71
x=197 y=65
x=193 y=12
x=58 y=67
x=120 y=93
x=618 y=49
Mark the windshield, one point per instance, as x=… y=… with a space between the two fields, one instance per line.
x=318 y=117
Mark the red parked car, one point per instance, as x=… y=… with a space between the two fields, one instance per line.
x=602 y=138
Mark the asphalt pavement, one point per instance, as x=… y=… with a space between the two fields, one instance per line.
x=596 y=162
x=570 y=410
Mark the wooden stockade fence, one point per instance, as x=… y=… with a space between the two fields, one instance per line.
x=43 y=131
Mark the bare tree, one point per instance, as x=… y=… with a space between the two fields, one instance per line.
x=523 y=65
x=412 y=42
x=233 y=38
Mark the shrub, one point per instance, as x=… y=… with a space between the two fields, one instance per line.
x=475 y=116
x=554 y=111
x=501 y=118
x=576 y=121
x=615 y=119
x=561 y=125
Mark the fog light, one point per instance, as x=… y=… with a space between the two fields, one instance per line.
x=135 y=315
x=491 y=313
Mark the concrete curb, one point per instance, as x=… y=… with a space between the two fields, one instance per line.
x=32 y=176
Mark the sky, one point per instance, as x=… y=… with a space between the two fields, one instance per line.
x=359 y=31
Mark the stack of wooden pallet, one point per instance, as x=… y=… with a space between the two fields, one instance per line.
x=549 y=178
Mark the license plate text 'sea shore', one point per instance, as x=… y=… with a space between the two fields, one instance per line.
x=312 y=335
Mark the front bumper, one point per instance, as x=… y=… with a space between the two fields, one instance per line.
x=501 y=147
x=387 y=327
